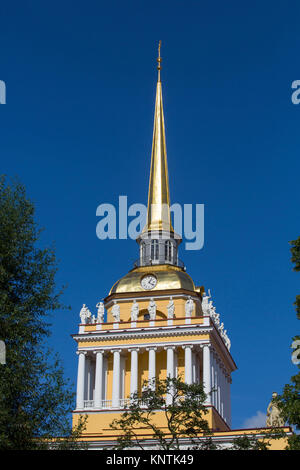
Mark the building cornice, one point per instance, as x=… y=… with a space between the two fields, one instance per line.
x=126 y=296
x=134 y=334
x=141 y=333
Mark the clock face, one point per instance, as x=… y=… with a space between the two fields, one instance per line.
x=148 y=282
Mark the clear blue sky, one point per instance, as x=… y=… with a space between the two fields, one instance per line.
x=77 y=130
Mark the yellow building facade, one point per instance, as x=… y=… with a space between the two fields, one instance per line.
x=158 y=323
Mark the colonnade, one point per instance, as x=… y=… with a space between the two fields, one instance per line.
x=216 y=380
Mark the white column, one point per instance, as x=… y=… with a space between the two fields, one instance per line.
x=170 y=369
x=122 y=376
x=99 y=379
x=188 y=364
x=228 y=413
x=213 y=395
x=226 y=397
x=206 y=373
x=134 y=370
x=104 y=376
x=219 y=386
x=229 y=402
x=152 y=366
x=116 y=378
x=194 y=367
x=90 y=366
x=216 y=382
x=170 y=361
x=222 y=391
x=80 y=380
x=196 y=361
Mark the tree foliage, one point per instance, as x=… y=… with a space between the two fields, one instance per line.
x=295 y=251
x=290 y=398
x=247 y=442
x=258 y=441
x=35 y=399
x=184 y=417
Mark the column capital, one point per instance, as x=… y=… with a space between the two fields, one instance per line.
x=151 y=348
x=187 y=346
x=99 y=351
x=206 y=345
x=133 y=349
x=81 y=352
x=116 y=350
x=169 y=347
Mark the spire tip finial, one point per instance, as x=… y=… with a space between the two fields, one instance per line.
x=159 y=61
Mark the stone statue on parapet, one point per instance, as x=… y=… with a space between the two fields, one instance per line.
x=115 y=311
x=152 y=309
x=134 y=311
x=189 y=307
x=171 y=308
x=85 y=314
x=216 y=317
x=274 y=415
x=205 y=304
x=209 y=309
x=226 y=339
x=227 y=342
x=100 y=312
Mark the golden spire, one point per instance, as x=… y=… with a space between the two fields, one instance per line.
x=159 y=61
x=158 y=212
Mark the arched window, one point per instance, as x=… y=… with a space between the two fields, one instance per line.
x=143 y=251
x=154 y=249
x=168 y=251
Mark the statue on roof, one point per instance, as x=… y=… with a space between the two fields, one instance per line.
x=274 y=414
x=205 y=304
x=189 y=307
x=115 y=311
x=171 y=308
x=134 y=311
x=100 y=312
x=152 y=309
x=85 y=314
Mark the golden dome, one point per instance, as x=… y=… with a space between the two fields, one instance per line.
x=168 y=277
